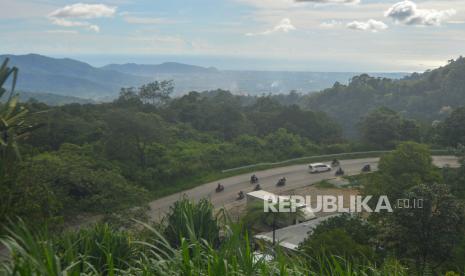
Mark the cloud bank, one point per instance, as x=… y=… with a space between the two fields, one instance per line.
x=86 y=11
x=284 y=26
x=370 y=25
x=407 y=12
x=330 y=24
x=330 y=1
x=66 y=16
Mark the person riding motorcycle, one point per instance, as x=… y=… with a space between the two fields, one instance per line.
x=240 y=195
x=219 y=188
x=335 y=163
x=366 y=168
x=339 y=171
x=257 y=187
x=253 y=179
x=282 y=181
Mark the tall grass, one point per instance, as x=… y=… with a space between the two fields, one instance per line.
x=193 y=221
x=97 y=250
x=100 y=250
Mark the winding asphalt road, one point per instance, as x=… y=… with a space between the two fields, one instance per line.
x=297 y=176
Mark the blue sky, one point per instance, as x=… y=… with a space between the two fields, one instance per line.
x=304 y=35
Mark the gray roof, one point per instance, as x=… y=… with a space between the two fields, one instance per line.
x=291 y=236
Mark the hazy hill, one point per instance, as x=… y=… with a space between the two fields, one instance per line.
x=195 y=78
x=68 y=77
x=51 y=99
x=426 y=97
x=154 y=69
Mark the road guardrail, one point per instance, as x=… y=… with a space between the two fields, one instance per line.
x=359 y=154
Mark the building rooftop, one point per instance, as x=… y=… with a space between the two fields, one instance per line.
x=290 y=237
x=306 y=212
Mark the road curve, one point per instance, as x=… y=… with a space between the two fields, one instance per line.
x=297 y=176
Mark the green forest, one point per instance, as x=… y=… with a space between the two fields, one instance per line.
x=59 y=164
x=425 y=97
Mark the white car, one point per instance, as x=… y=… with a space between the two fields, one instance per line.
x=318 y=167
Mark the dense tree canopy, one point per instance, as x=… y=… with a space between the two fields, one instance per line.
x=384 y=127
x=426 y=97
x=92 y=156
x=426 y=235
x=453 y=128
x=342 y=235
x=407 y=166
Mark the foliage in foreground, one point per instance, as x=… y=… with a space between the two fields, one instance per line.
x=102 y=250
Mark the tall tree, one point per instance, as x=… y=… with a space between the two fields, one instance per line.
x=426 y=235
x=407 y=166
x=453 y=128
x=157 y=92
x=383 y=128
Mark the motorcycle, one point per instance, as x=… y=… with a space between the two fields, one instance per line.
x=335 y=163
x=219 y=188
x=240 y=195
x=257 y=187
x=253 y=179
x=339 y=172
x=281 y=182
x=366 y=168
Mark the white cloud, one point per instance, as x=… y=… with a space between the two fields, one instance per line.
x=87 y=11
x=70 y=23
x=408 y=13
x=70 y=32
x=370 y=25
x=169 y=39
x=285 y=4
x=284 y=26
x=269 y=4
x=330 y=1
x=456 y=22
x=94 y=28
x=66 y=16
x=330 y=24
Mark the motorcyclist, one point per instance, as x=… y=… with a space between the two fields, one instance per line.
x=257 y=187
x=219 y=187
x=335 y=162
x=240 y=195
x=282 y=181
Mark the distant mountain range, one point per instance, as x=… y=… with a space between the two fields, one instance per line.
x=68 y=77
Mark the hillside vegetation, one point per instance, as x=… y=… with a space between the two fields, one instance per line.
x=193 y=239
x=58 y=163
x=425 y=97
